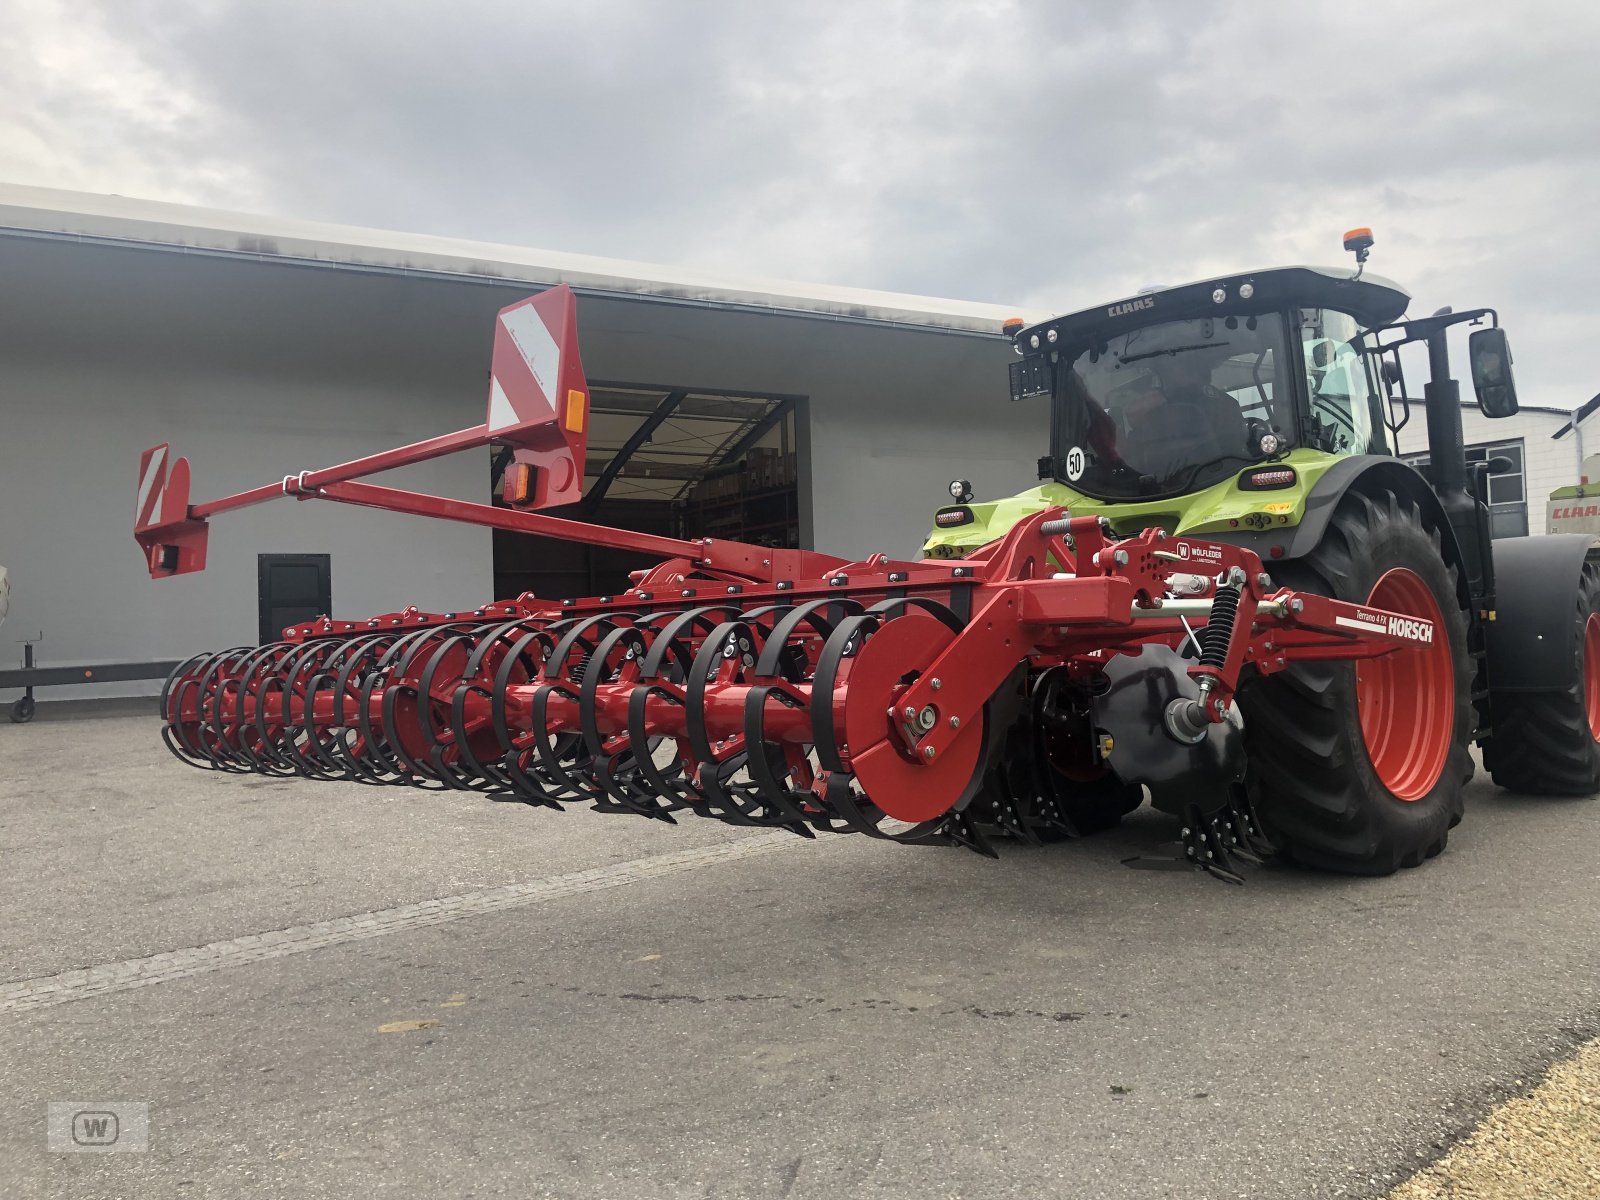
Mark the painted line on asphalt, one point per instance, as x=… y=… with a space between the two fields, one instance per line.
x=85 y=982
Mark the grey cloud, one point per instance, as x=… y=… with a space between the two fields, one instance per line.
x=1044 y=154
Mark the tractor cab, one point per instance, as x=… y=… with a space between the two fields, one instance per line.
x=1174 y=391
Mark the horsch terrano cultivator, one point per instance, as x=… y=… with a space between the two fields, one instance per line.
x=1050 y=657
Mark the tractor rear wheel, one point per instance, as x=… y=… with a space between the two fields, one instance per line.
x=1360 y=767
x=1548 y=743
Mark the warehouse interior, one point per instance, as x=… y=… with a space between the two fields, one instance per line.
x=672 y=460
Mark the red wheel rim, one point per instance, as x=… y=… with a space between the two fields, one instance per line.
x=1591 y=673
x=1407 y=698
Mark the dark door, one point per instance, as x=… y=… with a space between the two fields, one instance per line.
x=291 y=588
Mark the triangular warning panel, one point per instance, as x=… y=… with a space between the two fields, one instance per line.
x=538 y=397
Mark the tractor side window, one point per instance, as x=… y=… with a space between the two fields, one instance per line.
x=1338 y=383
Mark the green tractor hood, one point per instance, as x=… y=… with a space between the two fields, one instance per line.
x=1233 y=504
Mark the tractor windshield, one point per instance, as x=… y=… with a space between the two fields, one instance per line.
x=1170 y=408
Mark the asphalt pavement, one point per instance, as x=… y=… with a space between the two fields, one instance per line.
x=457 y=997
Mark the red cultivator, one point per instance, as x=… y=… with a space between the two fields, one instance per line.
x=1028 y=689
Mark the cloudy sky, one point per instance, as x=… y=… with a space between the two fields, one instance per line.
x=1051 y=154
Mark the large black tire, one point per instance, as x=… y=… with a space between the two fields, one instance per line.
x=1310 y=774
x=1544 y=742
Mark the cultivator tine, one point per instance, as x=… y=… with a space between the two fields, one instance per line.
x=963 y=831
x=1216 y=843
x=476 y=740
x=615 y=756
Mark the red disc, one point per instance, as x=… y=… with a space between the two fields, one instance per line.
x=901 y=782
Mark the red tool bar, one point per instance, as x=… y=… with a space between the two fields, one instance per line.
x=388 y=460
x=371 y=495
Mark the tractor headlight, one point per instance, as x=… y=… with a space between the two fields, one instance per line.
x=960 y=490
x=1270 y=443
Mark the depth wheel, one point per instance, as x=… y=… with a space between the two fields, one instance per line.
x=1359 y=767
x=1548 y=743
x=22 y=710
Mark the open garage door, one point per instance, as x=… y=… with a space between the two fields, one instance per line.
x=677 y=461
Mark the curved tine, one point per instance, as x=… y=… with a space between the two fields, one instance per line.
x=842 y=643
x=493 y=638
x=416 y=773
x=840 y=793
x=493 y=774
x=394 y=764
x=451 y=774
x=574 y=750
x=261 y=673
x=224 y=676
x=381 y=766
x=674 y=629
x=211 y=683
x=266 y=676
x=843 y=799
x=502 y=680
x=179 y=681
x=180 y=753
x=707 y=662
x=764 y=767
x=606 y=765
x=530 y=787
x=810 y=613
x=664 y=782
x=320 y=751
x=468 y=772
x=550 y=755
x=355 y=656
x=334 y=674
x=177 y=737
x=502 y=635
x=177 y=673
x=762 y=758
x=556 y=663
x=193 y=735
x=753 y=803
x=895 y=606
x=713 y=775
x=302 y=738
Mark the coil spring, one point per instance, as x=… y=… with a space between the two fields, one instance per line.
x=1218 y=632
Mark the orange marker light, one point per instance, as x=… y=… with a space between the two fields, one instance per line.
x=516 y=485
x=1011 y=324
x=1358 y=239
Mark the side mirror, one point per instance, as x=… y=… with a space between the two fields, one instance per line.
x=1491 y=372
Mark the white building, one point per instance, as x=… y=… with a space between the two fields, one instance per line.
x=1536 y=441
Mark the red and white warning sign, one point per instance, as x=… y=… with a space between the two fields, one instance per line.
x=538 y=397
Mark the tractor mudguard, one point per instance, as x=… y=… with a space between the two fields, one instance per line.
x=1360 y=472
x=1533 y=637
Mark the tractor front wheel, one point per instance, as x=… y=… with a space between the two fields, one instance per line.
x=1548 y=743
x=1360 y=767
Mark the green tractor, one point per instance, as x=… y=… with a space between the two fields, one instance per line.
x=1261 y=409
